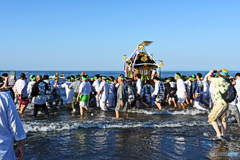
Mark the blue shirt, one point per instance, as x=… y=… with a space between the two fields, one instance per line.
x=199 y=91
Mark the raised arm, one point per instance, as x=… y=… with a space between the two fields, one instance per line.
x=210 y=75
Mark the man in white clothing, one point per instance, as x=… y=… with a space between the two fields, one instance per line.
x=158 y=92
x=10 y=128
x=237 y=87
x=198 y=101
x=181 y=91
x=103 y=94
x=206 y=90
x=30 y=84
x=84 y=95
x=95 y=86
x=69 y=91
x=139 y=90
x=111 y=97
x=20 y=88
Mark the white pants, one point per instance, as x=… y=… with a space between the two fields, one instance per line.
x=103 y=106
x=199 y=106
x=84 y=104
x=238 y=104
x=97 y=102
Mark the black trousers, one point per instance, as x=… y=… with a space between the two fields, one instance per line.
x=36 y=107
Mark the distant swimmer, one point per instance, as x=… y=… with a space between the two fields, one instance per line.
x=57 y=74
x=63 y=75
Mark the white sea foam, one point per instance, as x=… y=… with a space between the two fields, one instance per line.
x=166 y=112
x=205 y=134
x=70 y=125
x=179 y=138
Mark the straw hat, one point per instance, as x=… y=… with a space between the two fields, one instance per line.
x=223 y=73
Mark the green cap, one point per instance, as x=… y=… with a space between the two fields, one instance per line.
x=121 y=78
x=178 y=75
x=85 y=79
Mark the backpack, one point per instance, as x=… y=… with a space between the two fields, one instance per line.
x=230 y=95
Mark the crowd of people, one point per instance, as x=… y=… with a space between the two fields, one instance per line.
x=82 y=91
x=180 y=91
x=217 y=93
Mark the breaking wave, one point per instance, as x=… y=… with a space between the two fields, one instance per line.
x=70 y=125
x=166 y=112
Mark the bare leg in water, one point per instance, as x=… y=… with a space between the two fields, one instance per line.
x=81 y=110
x=23 y=107
x=159 y=106
x=223 y=128
x=183 y=105
x=70 y=105
x=174 y=102
x=117 y=115
x=126 y=114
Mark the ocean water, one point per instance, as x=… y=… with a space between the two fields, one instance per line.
x=148 y=134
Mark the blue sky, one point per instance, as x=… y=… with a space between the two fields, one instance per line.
x=94 y=34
